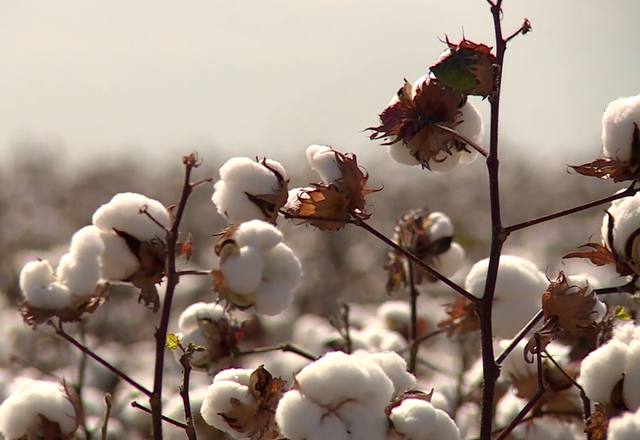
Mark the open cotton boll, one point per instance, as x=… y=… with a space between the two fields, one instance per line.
x=416 y=419
x=518 y=292
x=122 y=212
x=602 y=369
x=40 y=288
x=218 y=401
x=394 y=367
x=626 y=215
x=400 y=153
x=618 y=125
x=190 y=317
x=243 y=272
x=376 y=339
x=449 y=262
x=257 y=233
x=242 y=178
x=80 y=269
x=300 y=418
x=20 y=413
x=272 y=298
x=323 y=161
x=625 y=427
x=440 y=226
x=282 y=266
x=118 y=263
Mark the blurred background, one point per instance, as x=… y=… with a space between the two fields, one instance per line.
x=105 y=97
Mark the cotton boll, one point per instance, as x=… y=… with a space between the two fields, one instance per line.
x=413 y=418
x=401 y=154
x=123 y=213
x=118 y=263
x=241 y=376
x=257 y=233
x=395 y=368
x=80 y=269
x=440 y=226
x=444 y=162
x=336 y=377
x=626 y=214
x=282 y=266
x=470 y=123
x=271 y=298
x=362 y=422
x=375 y=338
x=39 y=288
x=625 y=427
x=199 y=311
x=323 y=161
x=602 y=369
x=618 y=126
x=243 y=272
x=19 y=413
x=445 y=428
x=218 y=400
x=518 y=292
x=451 y=261
x=631 y=386
x=626 y=332
x=297 y=417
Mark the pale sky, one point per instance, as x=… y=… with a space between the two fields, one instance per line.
x=96 y=78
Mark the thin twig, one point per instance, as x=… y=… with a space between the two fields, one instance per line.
x=631 y=190
x=521 y=334
x=190 y=162
x=107 y=412
x=82 y=368
x=203 y=273
x=145 y=211
x=60 y=331
x=201 y=182
x=533 y=401
x=525 y=28
x=174 y=422
x=185 y=361
x=630 y=287
x=463 y=138
x=280 y=347
x=290 y=216
x=346 y=326
x=431 y=271
x=414 y=346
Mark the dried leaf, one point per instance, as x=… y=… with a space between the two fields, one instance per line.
x=608 y=168
x=597 y=424
x=572 y=306
x=325 y=201
x=462 y=317
x=185 y=248
x=600 y=256
x=467 y=67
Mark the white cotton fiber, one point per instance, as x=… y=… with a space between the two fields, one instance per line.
x=21 y=409
x=257 y=233
x=217 y=401
x=449 y=262
x=416 y=419
x=272 y=298
x=80 y=269
x=395 y=368
x=298 y=417
x=243 y=272
x=470 y=125
x=323 y=161
x=122 y=212
x=40 y=289
x=118 y=262
x=400 y=153
x=200 y=311
x=626 y=214
x=282 y=266
x=440 y=226
x=631 y=386
x=625 y=427
x=617 y=127
x=602 y=369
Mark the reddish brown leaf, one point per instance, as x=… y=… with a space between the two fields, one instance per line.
x=608 y=168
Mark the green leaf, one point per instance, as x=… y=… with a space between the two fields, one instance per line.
x=173 y=341
x=622 y=314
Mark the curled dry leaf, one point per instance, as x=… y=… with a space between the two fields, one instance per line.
x=467 y=67
x=271 y=203
x=615 y=169
x=257 y=419
x=462 y=317
x=601 y=255
x=151 y=256
x=336 y=202
x=572 y=306
x=33 y=316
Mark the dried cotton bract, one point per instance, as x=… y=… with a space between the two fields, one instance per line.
x=210 y=327
x=256 y=268
x=429 y=236
x=242 y=402
x=38 y=410
x=70 y=291
x=339 y=196
x=249 y=190
x=411 y=125
x=134 y=247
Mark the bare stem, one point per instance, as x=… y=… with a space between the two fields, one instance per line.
x=60 y=331
x=414 y=345
x=203 y=273
x=521 y=334
x=155 y=400
x=184 y=393
x=174 y=422
x=346 y=326
x=105 y=421
x=280 y=347
x=630 y=287
x=491 y=370
x=631 y=190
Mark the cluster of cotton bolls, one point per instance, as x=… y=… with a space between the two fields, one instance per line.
x=38 y=409
x=109 y=250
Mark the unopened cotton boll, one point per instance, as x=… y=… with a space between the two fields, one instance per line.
x=518 y=292
x=258 y=269
x=323 y=161
x=416 y=419
x=22 y=412
x=618 y=127
x=250 y=189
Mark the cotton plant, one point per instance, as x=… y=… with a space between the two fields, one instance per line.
x=209 y=327
x=250 y=190
x=429 y=236
x=620 y=159
x=69 y=291
x=256 y=268
x=39 y=409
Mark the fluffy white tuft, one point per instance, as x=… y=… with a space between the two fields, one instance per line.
x=243 y=272
x=21 y=410
x=200 y=311
x=400 y=153
x=323 y=161
x=218 y=401
x=625 y=427
x=122 y=212
x=416 y=419
x=394 y=367
x=40 y=289
x=80 y=269
x=451 y=261
x=602 y=369
x=626 y=214
x=618 y=125
x=257 y=233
